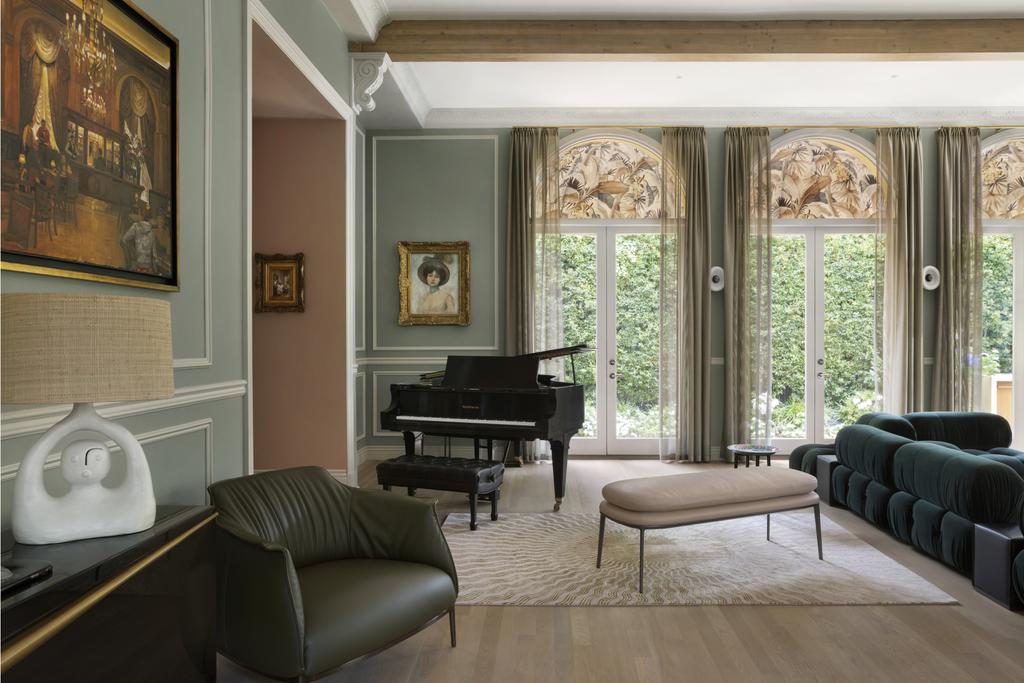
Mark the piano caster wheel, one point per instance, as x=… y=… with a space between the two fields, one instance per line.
x=558 y=504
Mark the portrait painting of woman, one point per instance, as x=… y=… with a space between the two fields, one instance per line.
x=433 y=283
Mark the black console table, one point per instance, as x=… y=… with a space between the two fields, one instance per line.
x=139 y=607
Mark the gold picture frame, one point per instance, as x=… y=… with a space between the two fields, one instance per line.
x=433 y=283
x=75 y=156
x=279 y=283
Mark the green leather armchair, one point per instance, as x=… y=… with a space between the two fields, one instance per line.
x=313 y=574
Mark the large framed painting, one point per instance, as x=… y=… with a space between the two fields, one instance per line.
x=90 y=143
x=433 y=283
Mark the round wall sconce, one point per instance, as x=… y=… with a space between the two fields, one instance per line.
x=717 y=279
x=930 y=278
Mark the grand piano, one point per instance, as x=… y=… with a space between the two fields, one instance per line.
x=493 y=397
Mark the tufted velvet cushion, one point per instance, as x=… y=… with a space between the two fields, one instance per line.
x=967 y=430
x=869 y=451
x=805 y=458
x=462 y=474
x=973 y=487
x=894 y=424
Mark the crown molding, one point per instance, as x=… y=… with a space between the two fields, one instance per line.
x=409 y=85
x=720 y=116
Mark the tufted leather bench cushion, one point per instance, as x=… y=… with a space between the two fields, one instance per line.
x=443 y=474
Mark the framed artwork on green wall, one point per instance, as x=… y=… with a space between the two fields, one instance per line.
x=433 y=283
x=90 y=143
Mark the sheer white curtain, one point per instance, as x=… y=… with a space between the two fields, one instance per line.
x=748 y=276
x=899 y=262
x=956 y=376
x=533 y=291
x=685 y=324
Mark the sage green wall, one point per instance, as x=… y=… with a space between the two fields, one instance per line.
x=429 y=186
x=188 y=446
x=437 y=190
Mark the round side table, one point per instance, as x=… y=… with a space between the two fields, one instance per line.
x=747 y=451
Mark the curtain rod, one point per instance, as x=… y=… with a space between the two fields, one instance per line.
x=776 y=125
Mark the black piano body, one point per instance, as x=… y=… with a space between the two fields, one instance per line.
x=493 y=397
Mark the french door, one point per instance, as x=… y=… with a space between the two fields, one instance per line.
x=1002 y=364
x=610 y=300
x=823 y=356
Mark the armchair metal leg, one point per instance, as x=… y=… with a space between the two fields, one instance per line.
x=600 y=541
x=494 y=504
x=768 y=530
x=451 y=623
x=472 y=512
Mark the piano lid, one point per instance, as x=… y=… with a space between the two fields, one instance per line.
x=558 y=353
x=491 y=372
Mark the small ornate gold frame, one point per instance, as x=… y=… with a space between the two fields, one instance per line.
x=264 y=298
x=406 y=250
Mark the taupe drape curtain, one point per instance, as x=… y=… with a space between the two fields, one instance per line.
x=899 y=261
x=533 y=295
x=956 y=377
x=685 y=323
x=748 y=274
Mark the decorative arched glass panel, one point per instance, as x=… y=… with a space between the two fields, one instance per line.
x=609 y=174
x=1002 y=176
x=823 y=174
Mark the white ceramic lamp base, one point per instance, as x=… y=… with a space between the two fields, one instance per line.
x=89 y=509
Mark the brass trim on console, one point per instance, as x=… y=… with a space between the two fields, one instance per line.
x=26 y=644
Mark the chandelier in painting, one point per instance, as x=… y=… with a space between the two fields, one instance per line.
x=91 y=53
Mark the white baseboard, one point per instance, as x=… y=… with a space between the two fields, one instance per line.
x=340 y=475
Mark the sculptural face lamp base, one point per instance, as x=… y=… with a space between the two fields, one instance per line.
x=88 y=509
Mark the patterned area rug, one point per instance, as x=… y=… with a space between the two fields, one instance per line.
x=548 y=559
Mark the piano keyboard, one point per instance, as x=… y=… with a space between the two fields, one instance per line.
x=467 y=420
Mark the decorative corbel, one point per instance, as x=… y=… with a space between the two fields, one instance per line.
x=368 y=71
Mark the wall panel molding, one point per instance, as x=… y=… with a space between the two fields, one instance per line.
x=204 y=425
x=206 y=360
x=361 y=430
x=27 y=421
x=497 y=246
x=403 y=360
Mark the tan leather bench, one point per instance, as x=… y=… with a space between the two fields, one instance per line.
x=683 y=499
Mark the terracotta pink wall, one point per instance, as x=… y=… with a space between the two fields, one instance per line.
x=298 y=185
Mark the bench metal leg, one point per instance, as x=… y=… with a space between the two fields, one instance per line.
x=494 y=504
x=642 y=560
x=600 y=541
x=817 y=529
x=768 y=533
x=387 y=487
x=411 y=491
x=472 y=512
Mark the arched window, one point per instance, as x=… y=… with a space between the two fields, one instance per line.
x=1002 y=299
x=823 y=174
x=609 y=174
x=824 y=205
x=1002 y=173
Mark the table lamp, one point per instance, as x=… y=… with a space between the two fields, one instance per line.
x=81 y=349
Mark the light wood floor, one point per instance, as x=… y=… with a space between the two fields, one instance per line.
x=975 y=641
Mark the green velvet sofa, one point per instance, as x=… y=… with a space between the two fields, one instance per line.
x=313 y=574
x=985 y=434
x=929 y=494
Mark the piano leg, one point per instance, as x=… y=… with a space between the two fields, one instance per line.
x=410 y=443
x=559 y=462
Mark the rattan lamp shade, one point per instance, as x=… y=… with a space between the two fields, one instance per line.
x=74 y=348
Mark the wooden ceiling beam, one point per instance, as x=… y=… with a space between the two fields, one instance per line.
x=569 y=40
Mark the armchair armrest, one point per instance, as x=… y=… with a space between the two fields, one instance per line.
x=260 y=621
x=390 y=527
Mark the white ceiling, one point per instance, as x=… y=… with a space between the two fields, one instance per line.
x=482 y=94
x=279 y=89
x=694 y=9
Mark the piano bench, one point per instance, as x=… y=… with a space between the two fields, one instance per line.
x=463 y=475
